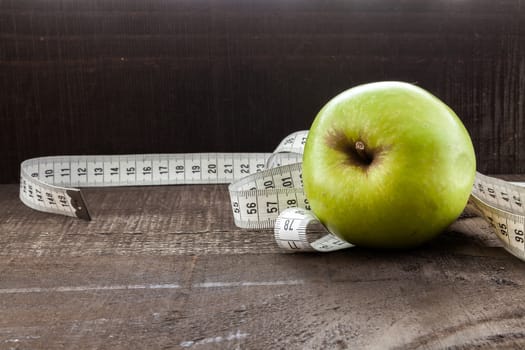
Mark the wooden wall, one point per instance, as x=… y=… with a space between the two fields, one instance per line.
x=126 y=76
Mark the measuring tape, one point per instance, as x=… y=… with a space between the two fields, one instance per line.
x=266 y=190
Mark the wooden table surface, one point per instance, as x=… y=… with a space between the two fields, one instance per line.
x=165 y=268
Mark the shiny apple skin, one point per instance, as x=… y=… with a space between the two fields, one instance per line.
x=414 y=178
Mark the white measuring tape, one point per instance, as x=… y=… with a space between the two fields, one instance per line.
x=266 y=190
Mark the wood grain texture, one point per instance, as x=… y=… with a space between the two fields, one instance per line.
x=165 y=268
x=98 y=77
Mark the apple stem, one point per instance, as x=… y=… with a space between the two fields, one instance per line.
x=360 y=148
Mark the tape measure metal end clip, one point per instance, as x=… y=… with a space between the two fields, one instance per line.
x=79 y=204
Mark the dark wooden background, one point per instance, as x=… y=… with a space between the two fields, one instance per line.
x=126 y=76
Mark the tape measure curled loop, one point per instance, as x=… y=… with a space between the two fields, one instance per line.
x=292 y=229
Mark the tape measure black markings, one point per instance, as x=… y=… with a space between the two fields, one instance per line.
x=502 y=205
x=266 y=190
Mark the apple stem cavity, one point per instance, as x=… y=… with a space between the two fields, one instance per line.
x=362 y=153
x=358 y=154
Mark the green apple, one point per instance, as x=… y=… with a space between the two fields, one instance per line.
x=387 y=165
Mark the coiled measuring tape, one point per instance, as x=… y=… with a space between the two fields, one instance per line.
x=266 y=190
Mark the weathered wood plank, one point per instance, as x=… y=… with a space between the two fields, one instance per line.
x=102 y=77
x=164 y=267
x=132 y=221
x=359 y=298
x=159 y=220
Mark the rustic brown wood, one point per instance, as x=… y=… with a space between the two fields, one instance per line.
x=113 y=76
x=165 y=268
